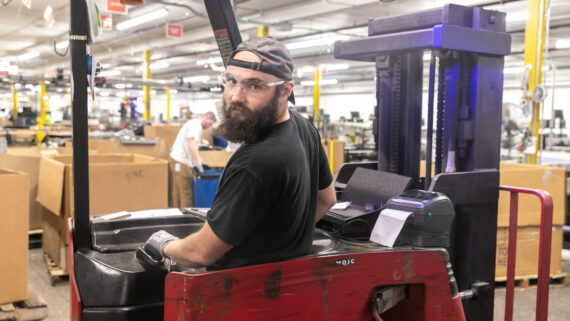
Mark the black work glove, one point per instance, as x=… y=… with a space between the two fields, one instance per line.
x=199 y=169
x=152 y=252
x=206 y=166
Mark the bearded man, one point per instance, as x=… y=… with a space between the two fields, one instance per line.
x=276 y=186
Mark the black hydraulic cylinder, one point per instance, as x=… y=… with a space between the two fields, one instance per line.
x=429 y=137
x=78 y=49
x=225 y=27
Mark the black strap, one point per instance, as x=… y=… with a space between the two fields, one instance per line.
x=245 y=64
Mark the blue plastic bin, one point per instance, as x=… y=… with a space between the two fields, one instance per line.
x=205 y=186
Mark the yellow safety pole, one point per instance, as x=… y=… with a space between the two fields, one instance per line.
x=146 y=76
x=263 y=31
x=15 y=100
x=168 y=97
x=533 y=49
x=316 y=92
x=331 y=156
x=42 y=119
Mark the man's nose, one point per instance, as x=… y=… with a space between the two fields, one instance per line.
x=238 y=94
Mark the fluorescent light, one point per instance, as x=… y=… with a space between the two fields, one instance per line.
x=159 y=65
x=211 y=60
x=123 y=86
x=104 y=94
x=142 y=19
x=28 y=55
x=173 y=91
x=62 y=44
x=517 y=16
x=18 y=85
x=331 y=67
x=216 y=89
x=513 y=70
x=322 y=82
x=427 y=56
x=153 y=92
x=110 y=73
x=314 y=42
x=562 y=44
x=197 y=79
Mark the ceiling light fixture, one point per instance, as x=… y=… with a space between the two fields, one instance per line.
x=517 y=16
x=314 y=42
x=322 y=82
x=562 y=43
x=211 y=60
x=62 y=44
x=197 y=79
x=28 y=55
x=142 y=19
x=110 y=73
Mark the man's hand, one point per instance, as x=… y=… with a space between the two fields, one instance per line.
x=152 y=252
x=199 y=169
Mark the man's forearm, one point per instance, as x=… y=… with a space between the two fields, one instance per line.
x=182 y=252
x=194 y=153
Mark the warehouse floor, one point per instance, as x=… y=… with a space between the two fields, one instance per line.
x=57 y=296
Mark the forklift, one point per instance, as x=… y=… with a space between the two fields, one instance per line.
x=422 y=277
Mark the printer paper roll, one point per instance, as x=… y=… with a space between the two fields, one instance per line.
x=388 y=226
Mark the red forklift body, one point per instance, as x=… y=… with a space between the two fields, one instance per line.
x=332 y=287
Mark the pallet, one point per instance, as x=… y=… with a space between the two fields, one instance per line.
x=35 y=239
x=33 y=308
x=55 y=272
x=530 y=281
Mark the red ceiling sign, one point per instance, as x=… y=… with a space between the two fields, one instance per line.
x=173 y=30
x=116 y=6
x=107 y=22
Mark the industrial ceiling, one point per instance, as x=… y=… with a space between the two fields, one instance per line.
x=308 y=27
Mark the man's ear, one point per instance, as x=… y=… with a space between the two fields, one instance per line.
x=287 y=89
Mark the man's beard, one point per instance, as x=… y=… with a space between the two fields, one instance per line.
x=250 y=126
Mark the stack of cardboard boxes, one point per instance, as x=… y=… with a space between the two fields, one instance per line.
x=550 y=179
x=117 y=182
x=14 y=193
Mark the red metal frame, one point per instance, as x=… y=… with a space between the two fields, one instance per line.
x=543 y=281
x=333 y=287
x=75 y=299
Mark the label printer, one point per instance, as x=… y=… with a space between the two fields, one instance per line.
x=428 y=218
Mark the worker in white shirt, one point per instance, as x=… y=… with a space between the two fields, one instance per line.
x=185 y=158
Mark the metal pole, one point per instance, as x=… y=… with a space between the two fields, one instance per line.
x=15 y=100
x=429 y=136
x=168 y=98
x=78 y=50
x=146 y=76
x=316 y=93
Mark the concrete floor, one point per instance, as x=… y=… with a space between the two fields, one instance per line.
x=57 y=296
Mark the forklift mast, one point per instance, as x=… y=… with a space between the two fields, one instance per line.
x=467 y=48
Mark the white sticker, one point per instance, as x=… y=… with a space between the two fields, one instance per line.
x=177 y=167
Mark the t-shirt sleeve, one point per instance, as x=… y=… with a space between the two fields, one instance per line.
x=194 y=130
x=240 y=203
x=325 y=176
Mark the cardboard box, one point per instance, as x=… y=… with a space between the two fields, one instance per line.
x=158 y=150
x=550 y=179
x=337 y=151
x=27 y=160
x=215 y=158
x=167 y=133
x=14 y=218
x=55 y=241
x=528 y=239
x=117 y=182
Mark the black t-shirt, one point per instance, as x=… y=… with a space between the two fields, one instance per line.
x=266 y=200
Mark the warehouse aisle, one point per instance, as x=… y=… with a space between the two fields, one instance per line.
x=57 y=296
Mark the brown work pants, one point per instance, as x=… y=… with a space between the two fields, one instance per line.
x=181 y=185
